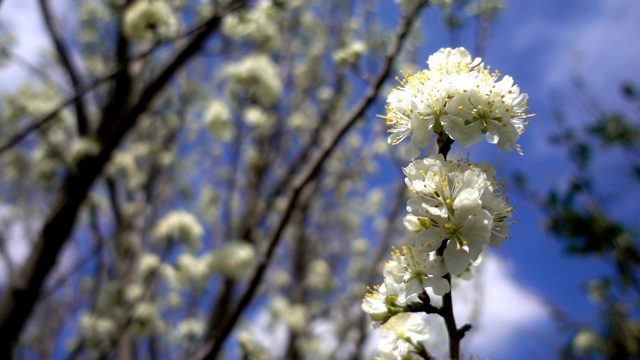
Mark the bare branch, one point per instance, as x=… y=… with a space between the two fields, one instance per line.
x=74 y=75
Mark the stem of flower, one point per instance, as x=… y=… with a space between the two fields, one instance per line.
x=446 y=311
x=444 y=144
x=450 y=322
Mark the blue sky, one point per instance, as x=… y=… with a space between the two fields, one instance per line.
x=543 y=45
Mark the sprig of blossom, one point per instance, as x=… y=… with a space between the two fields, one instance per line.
x=406 y=276
x=458 y=204
x=459 y=97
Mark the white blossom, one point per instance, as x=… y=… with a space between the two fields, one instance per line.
x=148 y=264
x=235 y=260
x=260 y=121
x=458 y=97
x=257 y=25
x=82 y=148
x=193 y=270
x=190 y=328
x=455 y=203
x=255 y=77
x=402 y=337
x=97 y=331
x=252 y=347
x=295 y=316
x=218 y=119
x=318 y=276
x=147 y=318
x=133 y=292
x=351 y=53
x=406 y=276
x=149 y=18
x=179 y=226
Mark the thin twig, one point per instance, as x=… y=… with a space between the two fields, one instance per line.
x=82 y=122
x=17 y=138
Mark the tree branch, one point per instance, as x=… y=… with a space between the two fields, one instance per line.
x=62 y=51
x=308 y=173
x=21 y=296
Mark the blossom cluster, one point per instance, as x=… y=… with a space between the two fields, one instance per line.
x=456 y=208
x=147 y=19
x=459 y=97
x=406 y=276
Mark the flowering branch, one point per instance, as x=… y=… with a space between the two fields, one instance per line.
x=455 y=208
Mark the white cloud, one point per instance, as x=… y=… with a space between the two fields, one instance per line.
x=507 y=312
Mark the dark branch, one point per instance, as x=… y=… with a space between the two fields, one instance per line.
x=21 y=296
x=72 y=72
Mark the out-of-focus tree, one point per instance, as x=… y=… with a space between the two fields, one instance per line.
x=593 y=215
x=177 y=167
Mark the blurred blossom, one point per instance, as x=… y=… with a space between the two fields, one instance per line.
x=218 y=119
x=375 y=200
x=360 y=247
x=123 y=164
x=133 y=292
x=147 y=318
x=148 y=264
x=402 y=337
x=236 y=260
x=174 y=299
x=293 y=315
x=146 y=19
x=255 y=77
x=257 y=25
x=258 y=120
x=313 y=348
x=318 y=276
x=82 y=148
x=252 y=347
x=351 y=53
x=304 y=119
x=97 y=331
x=585 y=341
x=486 y=9
x=280 y=278
x=190 y=329
x=193 y=270
x=178 y=226
x=170 y=275
x=408 y=5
